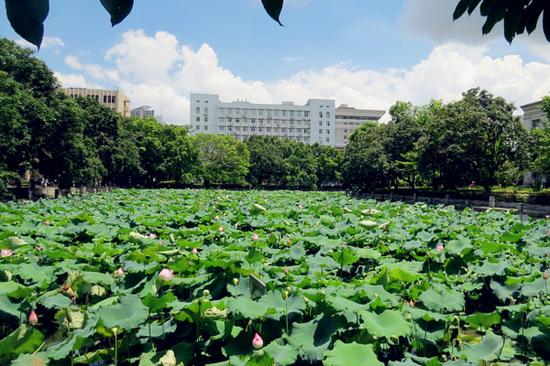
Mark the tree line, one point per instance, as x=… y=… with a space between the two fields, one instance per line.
x=73 y=142
x=475 y=141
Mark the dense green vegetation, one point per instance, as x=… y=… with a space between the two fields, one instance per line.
x=131 y=277
x=79 y=142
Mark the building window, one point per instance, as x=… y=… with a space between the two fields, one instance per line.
x=205 y=110
x=306 y=114
x=197 y=127
x=321 y=123
x=104 y=99
x=328 y=132
x=198 y=119
x=320 y=132
x=536 y=123
x=328 y=114
x=237 y=120
x=260 y=129
x=198 y=109
x=253 y=129
x=206 y=128
x=328 y=123
x=205 y=118
x=328 y=139
x=320 y=114
x=284 y=113
x=113 y=99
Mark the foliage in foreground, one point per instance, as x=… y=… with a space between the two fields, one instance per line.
x=263 y=278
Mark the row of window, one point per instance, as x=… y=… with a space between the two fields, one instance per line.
x=106 y=98
x=321 y=132
x=266 y=129
x=260 y=121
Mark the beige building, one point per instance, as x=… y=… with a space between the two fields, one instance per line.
x=348 y=119
x=533 y=116
x=114 y=99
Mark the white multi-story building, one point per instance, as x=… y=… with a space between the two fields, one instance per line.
x=348 y=119
x=309 y=123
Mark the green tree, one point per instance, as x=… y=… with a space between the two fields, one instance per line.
x=329 y=165
x=224 y=160
x=366 y=164
x=473 y=139
x=541 y=145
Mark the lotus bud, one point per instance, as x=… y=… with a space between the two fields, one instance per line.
x=285 y=294
x=235 y=281
x=119 y=272
x=47 y=222
x=4 y=253
x=205 y=293
x=411 y=303
x=33 y=318
x=166 y=274
x=285 y=270
x=221 y=229
x=545 y=275
x=195 y=251
x=257 y=341
x=439 y=248
x=255 y=237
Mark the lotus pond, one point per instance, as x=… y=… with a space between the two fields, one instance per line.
x=197 y=277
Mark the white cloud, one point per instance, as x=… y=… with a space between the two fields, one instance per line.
x=159 y=71
x=47 y=42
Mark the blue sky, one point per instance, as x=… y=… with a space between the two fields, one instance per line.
x=365 y=53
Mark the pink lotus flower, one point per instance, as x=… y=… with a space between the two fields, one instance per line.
x=47 y=222
x=33 y=318
x=195 y=251
x=6 y=253
x=439 y=248
x=166 y=274
x=119 y=272
x=257 y=341
x=545 y=275
x=411 y=303
x=152 y=236
x=255 y=237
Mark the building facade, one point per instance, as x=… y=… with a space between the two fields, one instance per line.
x=144 y=111
x=113 y=99
x=348 y=119
x=533 y=116
x=316 y=121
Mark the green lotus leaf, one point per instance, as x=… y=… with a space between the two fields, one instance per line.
x=482 y=320
x=442 y=299
x=487 y=350
x=388 y=324
x=283 y=355
x=24 y=339
x=312 y=339
x=351 y=354
x=130 y=313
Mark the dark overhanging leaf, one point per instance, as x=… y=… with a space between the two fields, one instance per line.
x=274 y=8
x=27 y=18
x=119 y=9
